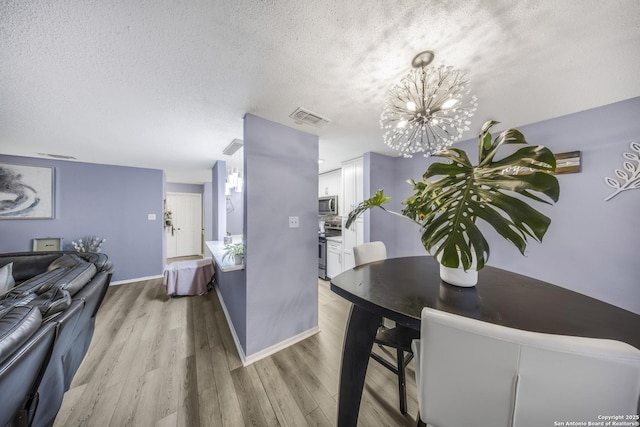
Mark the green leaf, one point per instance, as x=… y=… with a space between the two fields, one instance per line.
x=450 y=205
x=484 y=143
x=378 y=199
x=538 y=181
x=510 y=136
x=538 y=157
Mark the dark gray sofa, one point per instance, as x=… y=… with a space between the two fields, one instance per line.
x=46 y=325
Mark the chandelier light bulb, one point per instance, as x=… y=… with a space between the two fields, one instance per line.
x=449 y=103
x=428 y=110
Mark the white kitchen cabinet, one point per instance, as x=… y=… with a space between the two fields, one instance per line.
x=330 y=184
x=352 y=185
x=352 y=195
x=334 y=258
x=350 y=238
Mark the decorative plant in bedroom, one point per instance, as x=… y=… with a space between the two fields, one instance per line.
x=235 y=250
x=447 y=208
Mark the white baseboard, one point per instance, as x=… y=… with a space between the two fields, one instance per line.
x=248 y=360
x=137 y=279
x=279 y=346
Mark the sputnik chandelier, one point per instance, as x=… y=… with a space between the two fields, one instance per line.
x=428 y=110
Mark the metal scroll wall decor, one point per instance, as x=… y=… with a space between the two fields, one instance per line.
x=629 y=178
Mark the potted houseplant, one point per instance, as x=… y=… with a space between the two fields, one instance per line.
x=447 y=208
x=235 y=250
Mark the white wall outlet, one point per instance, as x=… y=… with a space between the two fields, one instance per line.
x=294 y=222
x=151 y=217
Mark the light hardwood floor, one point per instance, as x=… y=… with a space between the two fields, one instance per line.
x=159 y=361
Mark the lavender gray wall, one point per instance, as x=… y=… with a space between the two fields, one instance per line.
x=207 y=203
x=281 y=171
x=107 y=201
x=232 y=286
x=380 y=171
x=592 y=246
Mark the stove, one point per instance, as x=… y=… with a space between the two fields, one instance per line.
x=322 y=257
x=322 y=249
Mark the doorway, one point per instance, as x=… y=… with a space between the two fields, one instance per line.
x=185 y=237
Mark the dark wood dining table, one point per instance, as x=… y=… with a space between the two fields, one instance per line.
x=398 y=289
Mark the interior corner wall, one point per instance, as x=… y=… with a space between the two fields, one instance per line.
x=379 y=174
x=207 y=210
x=281 y=172
x=219 y=209
x=164 y=205
x=591 y=246
x=111 y=202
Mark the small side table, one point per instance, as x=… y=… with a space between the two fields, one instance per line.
x=191 y=277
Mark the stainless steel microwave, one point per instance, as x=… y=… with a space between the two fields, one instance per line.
x=328 y=205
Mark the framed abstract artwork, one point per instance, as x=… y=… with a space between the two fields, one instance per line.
x=26 y=192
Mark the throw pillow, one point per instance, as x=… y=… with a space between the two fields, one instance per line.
x=6 y=279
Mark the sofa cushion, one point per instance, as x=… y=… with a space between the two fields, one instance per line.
x=100 y=260
x=17 y=325
x=74 y=279
x=10 y=301
x=37 y=284
x=28 y=264
x=6 y=279
x=65 y=261
x=51 y=302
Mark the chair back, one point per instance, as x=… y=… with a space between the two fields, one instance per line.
x=52 y=387
x=369 y=252
x=471 y=372
x=25 y=348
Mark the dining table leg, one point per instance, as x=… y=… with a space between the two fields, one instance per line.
x=358 y=341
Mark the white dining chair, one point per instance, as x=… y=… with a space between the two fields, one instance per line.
x=397 y=337
x=474 y=373
x=369 y=252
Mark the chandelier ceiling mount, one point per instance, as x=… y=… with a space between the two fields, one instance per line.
x=422 y=59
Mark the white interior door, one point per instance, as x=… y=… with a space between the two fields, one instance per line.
x=185 y=238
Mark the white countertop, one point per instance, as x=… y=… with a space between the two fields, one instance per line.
x=217 y=249
x=337 y=239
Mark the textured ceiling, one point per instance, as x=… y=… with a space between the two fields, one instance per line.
x=165 y=84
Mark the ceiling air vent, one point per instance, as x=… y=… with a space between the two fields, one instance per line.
x=305 y=116
x=233 y=146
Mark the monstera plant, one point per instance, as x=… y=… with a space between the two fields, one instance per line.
x=453 y=196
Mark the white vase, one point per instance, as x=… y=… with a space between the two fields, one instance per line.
x=459 y=277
